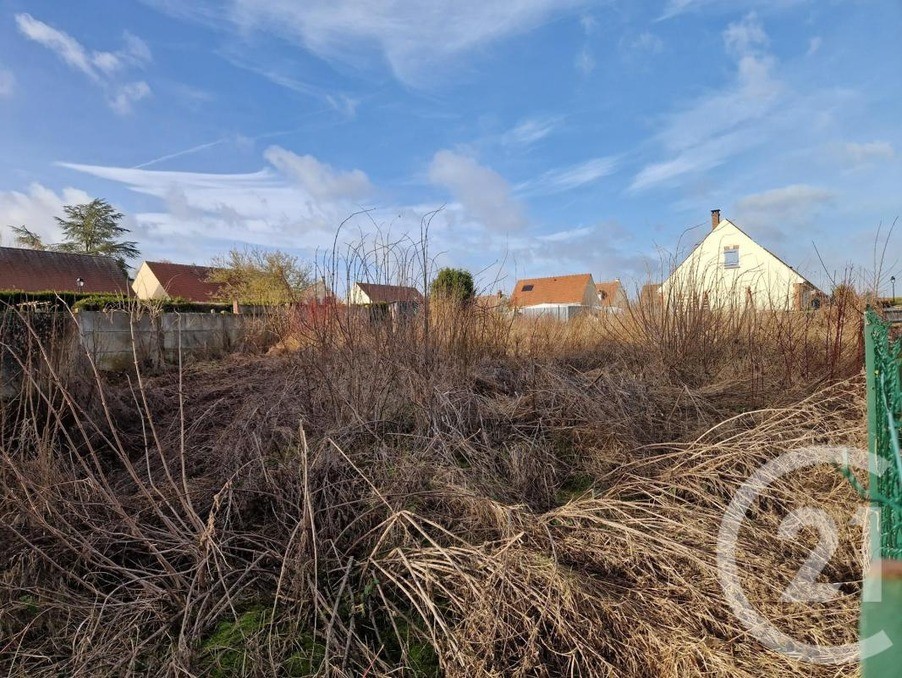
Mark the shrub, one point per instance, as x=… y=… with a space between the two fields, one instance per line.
x=454 y=284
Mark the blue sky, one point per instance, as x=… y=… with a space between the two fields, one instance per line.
x=560 y=136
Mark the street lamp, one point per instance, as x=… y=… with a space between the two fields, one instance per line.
x=80 y=282
x=892 y=281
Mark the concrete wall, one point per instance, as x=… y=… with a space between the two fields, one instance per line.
x=115 y=338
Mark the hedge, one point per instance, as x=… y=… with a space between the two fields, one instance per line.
x=104 y=302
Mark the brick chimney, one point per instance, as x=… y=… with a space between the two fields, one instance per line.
x=715 y=218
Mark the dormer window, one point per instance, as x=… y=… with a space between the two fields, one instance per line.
x=731 y=257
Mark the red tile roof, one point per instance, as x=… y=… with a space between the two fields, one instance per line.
x=561 y=289
x=39 y=271
x=186 y=281
x=388 y=294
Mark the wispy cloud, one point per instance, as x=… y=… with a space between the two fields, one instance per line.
x=584 y=62
x=862 y=153
x=319 y=179
x=126 y=96
x=531 y=130
x=644 y=44
x=814 y=45
x=674 y=8
x=567 y=178
x=793 y=199
x=480 y=190
x=725 y=122
x=339 y=101
x=295 y=201
x=781 y=212
x=104 y=68
x=417 y=40
x=7 y=82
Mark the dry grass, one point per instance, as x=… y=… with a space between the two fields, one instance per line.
x=472 y=496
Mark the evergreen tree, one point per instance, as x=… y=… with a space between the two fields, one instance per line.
x=455 y=284
x=93 y=228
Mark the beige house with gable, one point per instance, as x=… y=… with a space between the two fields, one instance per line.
x=728 y=268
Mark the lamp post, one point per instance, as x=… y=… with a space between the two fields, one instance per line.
x=892 y=282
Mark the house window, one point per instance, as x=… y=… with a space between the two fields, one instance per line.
x=731 y=257
x=526 y=288
x=602 y=295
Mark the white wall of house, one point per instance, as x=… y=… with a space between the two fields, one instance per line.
x=357 y=296
x=733 y=270
x=590 y=294
x=146 y=285
x=563 y=312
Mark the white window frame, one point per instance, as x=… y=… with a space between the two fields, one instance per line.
x=731 y=256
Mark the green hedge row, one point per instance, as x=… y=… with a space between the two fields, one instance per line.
x=104 y=302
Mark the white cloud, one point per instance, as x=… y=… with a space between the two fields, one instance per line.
x=65 y=46
x=36 y=209
x=646 y=43
x=797 y=198
x=103 y=68
x=745 y=36
x=341 y=102
x=136 y=50
x=481 y=191
x=294 y=202
x=416 y=38
x=318 y=178
x=7 y=82
x=585 y=62
x=606 y=250
x=574 y=176
x=724 y=122
x=126 y=96
x=531 y=130
x=861 y=153
x=781 y=212
x=814 y=44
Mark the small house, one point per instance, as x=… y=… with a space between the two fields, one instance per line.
x=561 y=297
x=386 y=301
x=368 y=294
x=728 y=268
x=164 y=280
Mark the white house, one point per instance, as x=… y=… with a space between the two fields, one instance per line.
x=165 y=280
x=728 y=268
x=367 y=294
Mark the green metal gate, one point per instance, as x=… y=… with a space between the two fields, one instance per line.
x=883 y=360
x=884 y=391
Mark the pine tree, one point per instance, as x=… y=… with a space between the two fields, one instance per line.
x=93 y=228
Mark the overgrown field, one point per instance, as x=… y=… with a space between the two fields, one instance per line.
x=465 y=496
